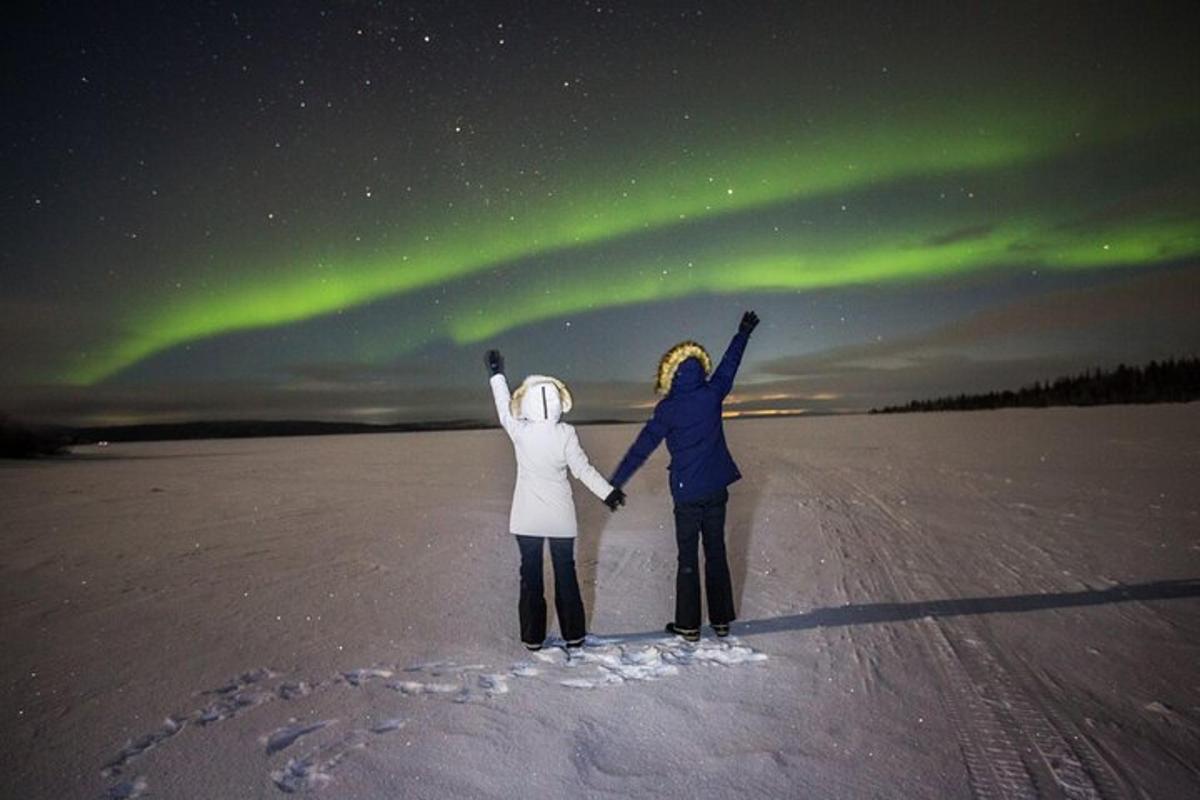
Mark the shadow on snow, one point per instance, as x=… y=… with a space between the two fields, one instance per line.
x=872 y=613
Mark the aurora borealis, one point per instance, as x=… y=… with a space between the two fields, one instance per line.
x=325 y=211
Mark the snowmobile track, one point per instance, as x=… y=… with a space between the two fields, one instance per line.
x=994 y=764
x=1078 y=772
x=991 y=753
x=995 y=717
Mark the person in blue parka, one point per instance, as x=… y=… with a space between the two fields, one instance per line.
x=689 y=418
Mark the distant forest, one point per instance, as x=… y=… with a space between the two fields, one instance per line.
x=22 y=440
x=1171 y=381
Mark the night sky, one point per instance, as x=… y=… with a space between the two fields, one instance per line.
x=330 y=210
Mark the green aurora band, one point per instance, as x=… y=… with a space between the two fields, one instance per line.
x=904 y=258
x=662 y=193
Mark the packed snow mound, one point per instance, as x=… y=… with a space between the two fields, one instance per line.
x=608 y=662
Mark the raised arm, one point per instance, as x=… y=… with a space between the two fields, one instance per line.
x=582 y=469
x=500 y=393
x=653 y=433
x=726 y=371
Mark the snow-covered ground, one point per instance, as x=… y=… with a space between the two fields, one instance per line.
x=989 y=604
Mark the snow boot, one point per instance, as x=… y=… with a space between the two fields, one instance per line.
x=532 y=647
x=687 y=634
x=574 y=644
x=721 y=629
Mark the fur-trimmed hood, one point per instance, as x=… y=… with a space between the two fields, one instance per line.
x=669 y=364
x=541 y=398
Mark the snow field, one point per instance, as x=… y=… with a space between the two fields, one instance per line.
x=994 y=604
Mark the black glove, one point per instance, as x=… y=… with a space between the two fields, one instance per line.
x=494 y=361
x=615 y=499
x=749 y=322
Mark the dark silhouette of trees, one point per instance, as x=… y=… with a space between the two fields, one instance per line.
x=1171 y=381
x=18 y=440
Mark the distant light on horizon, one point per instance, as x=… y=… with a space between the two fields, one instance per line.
x=764 y=412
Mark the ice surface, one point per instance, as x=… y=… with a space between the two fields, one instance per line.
x=942 y=605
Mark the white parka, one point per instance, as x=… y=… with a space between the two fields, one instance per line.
x=545 y=448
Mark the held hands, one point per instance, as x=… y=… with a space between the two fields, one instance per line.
x=494 y=361
x=749 y=322
x=615 y=499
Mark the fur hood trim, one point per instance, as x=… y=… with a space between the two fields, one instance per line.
x=669 y=363
x=564 y=394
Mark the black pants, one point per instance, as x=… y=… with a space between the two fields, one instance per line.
x=567 y=601
x=695 y=521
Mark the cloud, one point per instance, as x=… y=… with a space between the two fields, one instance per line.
x=1144 y=308
x=379 y=402
x=347 y=374
x=859 y=388
x=965 y=234
x=1060 y=333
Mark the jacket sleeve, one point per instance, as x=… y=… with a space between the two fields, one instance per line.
x=582 y=469
x=650 y=437
x=723 y=375
x=503 y=402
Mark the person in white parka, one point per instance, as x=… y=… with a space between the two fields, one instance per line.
x=542 y=506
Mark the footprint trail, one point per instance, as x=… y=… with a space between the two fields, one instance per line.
x=603 y=664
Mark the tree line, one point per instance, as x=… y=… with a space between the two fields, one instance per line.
x=1170 y=381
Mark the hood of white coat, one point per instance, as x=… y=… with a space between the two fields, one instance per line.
x=541 y=398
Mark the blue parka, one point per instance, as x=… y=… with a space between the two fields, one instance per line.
x=689 y=418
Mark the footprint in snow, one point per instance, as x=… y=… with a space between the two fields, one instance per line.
x=125 y=790
x=285 y=737
x=357 y=677
x=315 y=770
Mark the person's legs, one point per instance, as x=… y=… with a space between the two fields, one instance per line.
x=567 y=601
x=717 y=583
x=687 y=575
x=532 y=606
